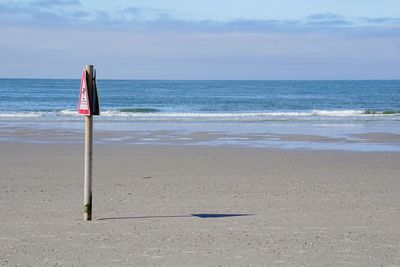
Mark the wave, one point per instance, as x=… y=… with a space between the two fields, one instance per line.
x=377 y=112
x=33 y=114
x=143 y=114
x=140 y=110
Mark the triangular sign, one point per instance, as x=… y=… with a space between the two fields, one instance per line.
x=84 y=105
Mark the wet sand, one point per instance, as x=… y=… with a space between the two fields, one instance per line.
x=344 y=137
x=173 y=206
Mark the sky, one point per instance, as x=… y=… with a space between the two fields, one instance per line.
x=183 y=39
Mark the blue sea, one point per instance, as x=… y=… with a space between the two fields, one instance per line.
x=135 y=100
x=336 y=109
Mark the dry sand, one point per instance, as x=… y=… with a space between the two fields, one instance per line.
x=312 y=208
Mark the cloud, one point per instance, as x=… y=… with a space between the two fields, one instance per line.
x=314 y=24
x=54 y=3
x=144 y=11
x=381 y=21
x=14 y=7
x=328 y=20
x=146 y=43
x=67 y=13
x=324 y=16
x=56 y=12
x=166 y=55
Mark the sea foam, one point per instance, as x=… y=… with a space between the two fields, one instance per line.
x=149 y=114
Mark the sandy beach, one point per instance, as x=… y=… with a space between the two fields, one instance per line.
x=224 y=133
x=198 y=206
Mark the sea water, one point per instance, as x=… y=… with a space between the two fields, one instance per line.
x=206 y=100
x=330 y=108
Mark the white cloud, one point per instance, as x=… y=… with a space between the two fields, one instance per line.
x=56 y=38
x=70 y=13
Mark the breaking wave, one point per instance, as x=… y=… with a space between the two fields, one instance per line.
x=150 y=114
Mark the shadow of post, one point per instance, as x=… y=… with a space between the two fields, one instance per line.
x=198 y=215
x=218 y=215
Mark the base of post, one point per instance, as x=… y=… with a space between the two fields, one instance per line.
x=87 y=210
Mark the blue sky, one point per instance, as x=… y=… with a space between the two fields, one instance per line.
x=177 y=39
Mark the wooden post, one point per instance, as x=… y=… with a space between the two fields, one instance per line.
x=88 y=153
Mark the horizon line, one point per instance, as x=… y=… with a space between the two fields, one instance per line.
x=168 y=79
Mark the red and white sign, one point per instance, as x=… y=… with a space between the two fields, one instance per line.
x=83 y=105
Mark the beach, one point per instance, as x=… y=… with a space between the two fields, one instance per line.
x=202 y=173
x=197 y=205
x=199 y=133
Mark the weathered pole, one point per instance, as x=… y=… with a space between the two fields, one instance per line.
x=88 y=152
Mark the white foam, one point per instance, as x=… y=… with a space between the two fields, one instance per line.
x=69 y=112
x=338 y=113
x=21 y=114
x=247 y=116
x=195 y=116
x=327 y=113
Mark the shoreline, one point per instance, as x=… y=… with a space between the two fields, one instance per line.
x=181 y=205
x=367 y=137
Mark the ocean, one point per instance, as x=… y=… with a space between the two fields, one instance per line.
x=141 y=100
x=340 y=115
